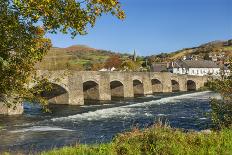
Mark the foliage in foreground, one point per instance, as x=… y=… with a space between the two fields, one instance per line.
x=157 y=140
x=222 y=109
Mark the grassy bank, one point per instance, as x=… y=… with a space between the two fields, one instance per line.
x=157 y=140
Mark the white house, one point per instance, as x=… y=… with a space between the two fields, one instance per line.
x=196 y=67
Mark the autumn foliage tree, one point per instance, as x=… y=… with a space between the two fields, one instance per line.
x=23 y=24
x=113 y=61
x=97 y=66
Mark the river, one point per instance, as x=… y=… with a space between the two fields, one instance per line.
x=35 y=131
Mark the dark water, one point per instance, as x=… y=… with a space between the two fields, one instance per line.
x=35 y=131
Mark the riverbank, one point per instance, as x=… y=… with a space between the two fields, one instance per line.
x=157 y=139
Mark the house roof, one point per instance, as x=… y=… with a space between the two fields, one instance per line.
x=195 y=64
x=159 y=67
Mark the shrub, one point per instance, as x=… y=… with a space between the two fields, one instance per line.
x=157 y=140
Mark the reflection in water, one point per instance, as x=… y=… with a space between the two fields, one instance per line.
x=67 y=125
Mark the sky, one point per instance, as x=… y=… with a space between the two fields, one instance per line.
x=155 y=26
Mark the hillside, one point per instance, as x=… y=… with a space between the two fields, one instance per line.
x=81 y=57
x=77 y=57
x=203 y=51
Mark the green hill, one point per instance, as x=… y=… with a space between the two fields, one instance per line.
x=77 y=57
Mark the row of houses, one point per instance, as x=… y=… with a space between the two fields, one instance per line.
x=192 y=67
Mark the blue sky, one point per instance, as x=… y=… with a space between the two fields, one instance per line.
x=155 y=26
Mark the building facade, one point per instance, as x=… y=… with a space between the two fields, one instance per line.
x=196 y=67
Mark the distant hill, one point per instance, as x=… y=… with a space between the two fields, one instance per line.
x=78 y=57
x=201 y=52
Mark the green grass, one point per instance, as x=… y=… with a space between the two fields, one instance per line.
x=157 y=140
x=228 y=48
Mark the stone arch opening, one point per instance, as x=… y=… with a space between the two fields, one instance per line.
x=117 y=89
x=191 y=85
x=138 y=87
x=91 y=90
x=157 y=86
x=175 y=86
x=54 y=93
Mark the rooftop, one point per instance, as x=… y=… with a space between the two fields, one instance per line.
x=195 y=64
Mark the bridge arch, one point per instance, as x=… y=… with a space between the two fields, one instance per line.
x=138 y=87
x=191 y=85
x=157 y=86
x=175 y=86
x=117 y=88
x=91 y=90
x=53 y=92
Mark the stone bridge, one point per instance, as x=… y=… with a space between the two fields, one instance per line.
x=78 y=86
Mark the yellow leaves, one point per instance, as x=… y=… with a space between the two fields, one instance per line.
x=121 y=15
x=40 y=31
x=68 y=15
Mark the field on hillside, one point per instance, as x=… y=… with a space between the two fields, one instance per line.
x=75 y=57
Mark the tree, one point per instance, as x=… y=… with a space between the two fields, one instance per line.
x=206 y=56
x=22 y=44
x=88 y=66
x=23 y=24
x=222 y=109
x=97 y=66
x=113 y=61
x=130 y=65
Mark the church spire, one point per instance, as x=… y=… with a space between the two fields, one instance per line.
x=134 y=56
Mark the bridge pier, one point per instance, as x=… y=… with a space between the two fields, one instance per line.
x=104 y=87
x=182 y=83
x=128 y=86
x=75 y=90
x=166 y=82
x=147 y=85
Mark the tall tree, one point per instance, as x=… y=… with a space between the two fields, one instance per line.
x=23 y=24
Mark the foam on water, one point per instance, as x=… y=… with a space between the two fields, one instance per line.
x=98 y=114
x=172 y=99
x=127 y=110
x=40 y=129
x=203 y=118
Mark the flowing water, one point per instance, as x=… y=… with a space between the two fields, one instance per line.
x=36 y=131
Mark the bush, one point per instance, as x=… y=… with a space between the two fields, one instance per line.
x=157 y=140
x=221 y=113
x=222 y=109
